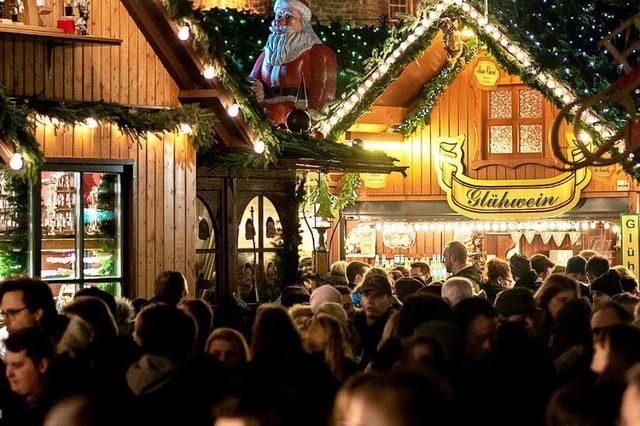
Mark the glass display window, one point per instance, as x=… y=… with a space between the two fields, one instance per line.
x=78 y=240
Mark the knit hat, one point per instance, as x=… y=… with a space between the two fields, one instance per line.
x=576 y=265
x=519 y=265
x=515 y=301
x=323 y=294
x=407 y=286
x=608 y=283
x=293 y=295
x=301 y=6
x=377 y=283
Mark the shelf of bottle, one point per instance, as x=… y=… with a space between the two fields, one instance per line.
x=68 y=242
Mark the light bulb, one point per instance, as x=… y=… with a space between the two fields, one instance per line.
x=185 y=128
x=91 y=122
x=184 y=32
x=233 y=110
x=259 y=147
x=209 y=72
x=16 y=162
x=55 y=121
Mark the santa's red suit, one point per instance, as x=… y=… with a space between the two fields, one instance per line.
x=318 y=65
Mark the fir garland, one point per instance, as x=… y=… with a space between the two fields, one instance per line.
x=17 y=122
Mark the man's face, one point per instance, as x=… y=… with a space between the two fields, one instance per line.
x=15 y=314
x=417 y=272
x=25 y=377
x=287 y=18
x=446 y=259
x=375 y=305
x=480 y=337
x=347 y=304
x=630 y=407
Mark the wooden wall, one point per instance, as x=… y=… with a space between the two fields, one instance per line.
x=164 y=168
x=458 y=112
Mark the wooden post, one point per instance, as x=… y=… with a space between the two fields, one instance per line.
x=30 y=15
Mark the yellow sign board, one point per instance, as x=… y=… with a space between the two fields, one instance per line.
x=629 y=241
x=374 y=180
x=486 y=73
x=517 y=199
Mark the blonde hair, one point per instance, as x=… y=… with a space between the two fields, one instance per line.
x=327 y=334
x=233 y=336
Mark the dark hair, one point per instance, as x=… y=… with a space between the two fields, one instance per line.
x=424 y=267
x=420 y=308
x=170 y=287
x=466 y=310
x=202 y=313
x=166 y=330
x=36 y=294
x=540 y=263
x=32 y=339
x=496 y=268
x=624 y=351
x=101 y=294
x=343 y=289
x=596 y=266
x=623 y=315
x=355 y=268
x=274 y=338
x=553 y=285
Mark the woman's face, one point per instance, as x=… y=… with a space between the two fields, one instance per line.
x=600 y=356
x=559 y=300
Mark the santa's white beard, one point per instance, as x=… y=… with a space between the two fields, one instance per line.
x=284 y=47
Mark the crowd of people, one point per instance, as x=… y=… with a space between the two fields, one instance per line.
x=522 y=341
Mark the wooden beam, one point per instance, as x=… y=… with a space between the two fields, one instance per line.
x=199 y=94
x=383 y=115
x=375 y=136
x=178 y=57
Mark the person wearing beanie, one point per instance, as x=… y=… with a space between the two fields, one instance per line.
x=294 y=54
x=522 y=273
x=323 y=294
x=605 y=287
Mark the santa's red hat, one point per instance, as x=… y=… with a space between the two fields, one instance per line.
x=301 y=6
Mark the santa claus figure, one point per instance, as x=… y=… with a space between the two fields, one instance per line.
x=293 y=51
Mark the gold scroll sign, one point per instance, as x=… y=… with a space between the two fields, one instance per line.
x=517 y=199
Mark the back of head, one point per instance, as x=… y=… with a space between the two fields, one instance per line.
x=323 y=294
x=170 y=287
x=356 y=268
x=596 y=266
x=402 y=397
x=165 y=330
x=274 y=338
x=406 y=286
x=101 y=294
x=540 y=263
x=588 y=253
x=576 y=265
x=469 y=309
x=515 y=301
x=520 y=265
x=420 y=308
x=456 y=289
x=202 y=313
x=294 y=295
x=96 y=312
